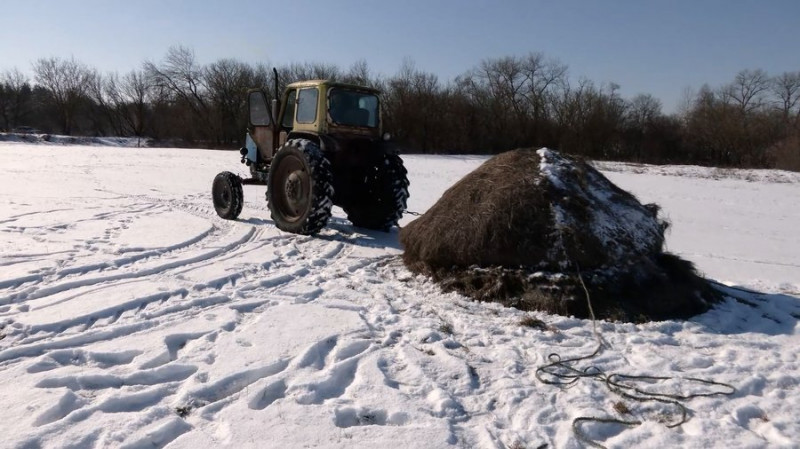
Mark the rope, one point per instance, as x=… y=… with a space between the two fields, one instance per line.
x=562 y=373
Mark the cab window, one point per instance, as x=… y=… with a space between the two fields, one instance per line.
x=353 y=108
x=259 y=113
x=307 y=105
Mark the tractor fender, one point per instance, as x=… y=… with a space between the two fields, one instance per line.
x=307 y=136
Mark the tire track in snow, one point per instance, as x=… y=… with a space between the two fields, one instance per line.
x=128 y=260
x=81 y=323
x=334 y=363
x=298 y=261
x=27 y=214
x=184 y=205
x=73 y=341
x=144 y=307
x=59 y=267
x=161 y=304
x=83 y=282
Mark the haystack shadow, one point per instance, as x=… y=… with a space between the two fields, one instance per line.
x=744 y=310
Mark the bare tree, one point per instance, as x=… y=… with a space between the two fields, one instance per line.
x=642 y=110
x=15 y=98
x=415 y=107
x=359 y=73
x=191 y=103
x=296 y=71
x=5 y=95
x=103 y=113
x=573 y=105
x=544 y=78
x=264 y=77
x=67 y=81
x=747 y=90
x=313 y=70
x=507 y=80
x=137 y=96
x=787 y=88
x=228 y=81
x=128 y=101
x=180 y=76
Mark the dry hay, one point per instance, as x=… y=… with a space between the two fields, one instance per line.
x=520 y=228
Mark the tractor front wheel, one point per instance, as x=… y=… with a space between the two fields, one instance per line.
x=226 y=191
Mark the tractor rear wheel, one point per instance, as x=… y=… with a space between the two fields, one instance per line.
x=383 y=196
x=226 y=191
x=299 y=191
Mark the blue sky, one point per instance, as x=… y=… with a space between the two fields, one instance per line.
x=657 y=47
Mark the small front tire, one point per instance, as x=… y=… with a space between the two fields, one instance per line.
x=226 y=191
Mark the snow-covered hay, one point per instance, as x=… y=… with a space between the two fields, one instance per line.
x=520 y=228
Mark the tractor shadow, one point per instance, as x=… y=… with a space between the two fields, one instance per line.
x=257 y=221
x=744 y=310
x=345 y=232
x=341 y=230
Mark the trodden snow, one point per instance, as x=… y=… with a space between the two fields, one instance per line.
x=132 y=316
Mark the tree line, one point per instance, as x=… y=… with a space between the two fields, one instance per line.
x=500 y=104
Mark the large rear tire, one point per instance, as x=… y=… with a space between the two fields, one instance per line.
x=226 y=191
x=300 y=194
x=383 y=196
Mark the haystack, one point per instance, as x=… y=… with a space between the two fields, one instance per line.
x=531 y=228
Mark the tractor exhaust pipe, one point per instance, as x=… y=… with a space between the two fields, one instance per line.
x=275 y=107
x=275 y=76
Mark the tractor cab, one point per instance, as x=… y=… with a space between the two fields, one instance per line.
x=315 y=109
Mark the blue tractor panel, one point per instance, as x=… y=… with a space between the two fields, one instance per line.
x=252 y=149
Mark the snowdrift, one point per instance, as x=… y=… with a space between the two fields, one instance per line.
x=531 y=228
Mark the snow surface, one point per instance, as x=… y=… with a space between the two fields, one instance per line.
x=132 y=316
x=52 y=139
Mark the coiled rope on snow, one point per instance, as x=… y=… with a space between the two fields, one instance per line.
x=563 y=373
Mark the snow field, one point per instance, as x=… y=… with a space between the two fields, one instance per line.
x=132 y=316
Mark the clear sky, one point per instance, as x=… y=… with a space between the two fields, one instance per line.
x=646 y=46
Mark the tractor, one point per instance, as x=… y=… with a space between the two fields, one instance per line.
x=321 y=145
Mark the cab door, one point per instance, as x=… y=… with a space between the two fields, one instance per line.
x=261 y=128
x=287 y=117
